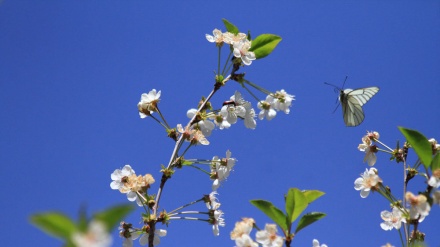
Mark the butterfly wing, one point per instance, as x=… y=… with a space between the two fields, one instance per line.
x=352 y=102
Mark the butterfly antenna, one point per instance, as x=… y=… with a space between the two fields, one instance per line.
x=336 y=88
x=343 y=84
x=336 y=106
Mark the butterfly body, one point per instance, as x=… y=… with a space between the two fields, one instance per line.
x=352 y=101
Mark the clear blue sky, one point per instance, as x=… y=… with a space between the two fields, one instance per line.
x=72 y=72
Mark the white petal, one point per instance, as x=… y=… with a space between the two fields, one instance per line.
x=237 y=52
x=215 y=184
x=115 y=185
x=365 y=193
x=210 y=38
x=127 y=171
x=161 y=232
x=144 y=239
x=116 y=175
x=245 y=60
x=127 y=242
x=131 y=196
x=315 y=243
x=251 y=55
x=191 y=112
x=386 y=226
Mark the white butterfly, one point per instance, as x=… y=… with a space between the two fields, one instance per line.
x=352 y=101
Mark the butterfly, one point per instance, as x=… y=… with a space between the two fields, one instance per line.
x=352 y=101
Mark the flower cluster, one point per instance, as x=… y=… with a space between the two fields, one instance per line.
x=129 y=234
x=194 y=136
x=238 y=108
x=435 y=146
x=368 y=181
x=221 y=168
x=419 y=206
x=148 y=103
x=280 y=101
x=368 y=147
x=413 y=208
x=238 y=42
x=230 y=112
x=267 y=237
x=126 y=181
x=392 y=219
x=316 y=243
x=95 y=236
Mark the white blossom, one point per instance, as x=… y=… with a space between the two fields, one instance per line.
x=218 y=220
x=243 y=227
x=267 y=110
x=391 y=219
x=95 y=236
x=241 y=50
x=217 y=37
x=316 y=243
x=245 y=241
x=282 y=101
x=157 y=233
x=268 y=237
x=368 y=180
x=148 y=103
x=118 y=177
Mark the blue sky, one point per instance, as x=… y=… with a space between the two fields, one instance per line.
x=72 y=72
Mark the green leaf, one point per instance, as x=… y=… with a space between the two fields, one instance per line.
x=312 y=195
x=435 y=164
x=264 y=44
x=55 y=224
x=420 y=144
x=296 y=202
x=112 y=216
x=308 y=219
x=230 y=27
x=82 y=221
x=273 y=212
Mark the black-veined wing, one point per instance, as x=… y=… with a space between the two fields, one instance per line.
x=352 y=102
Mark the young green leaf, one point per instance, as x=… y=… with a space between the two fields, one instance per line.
x=55 y=224
x=112 y=216
x=296 y=202
x=308 y=219
x=82 y=223
x=435 y=164
x=312 y=195
x=272 y=212
x=264 y=44
x=420 y=144
x=230 y=27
